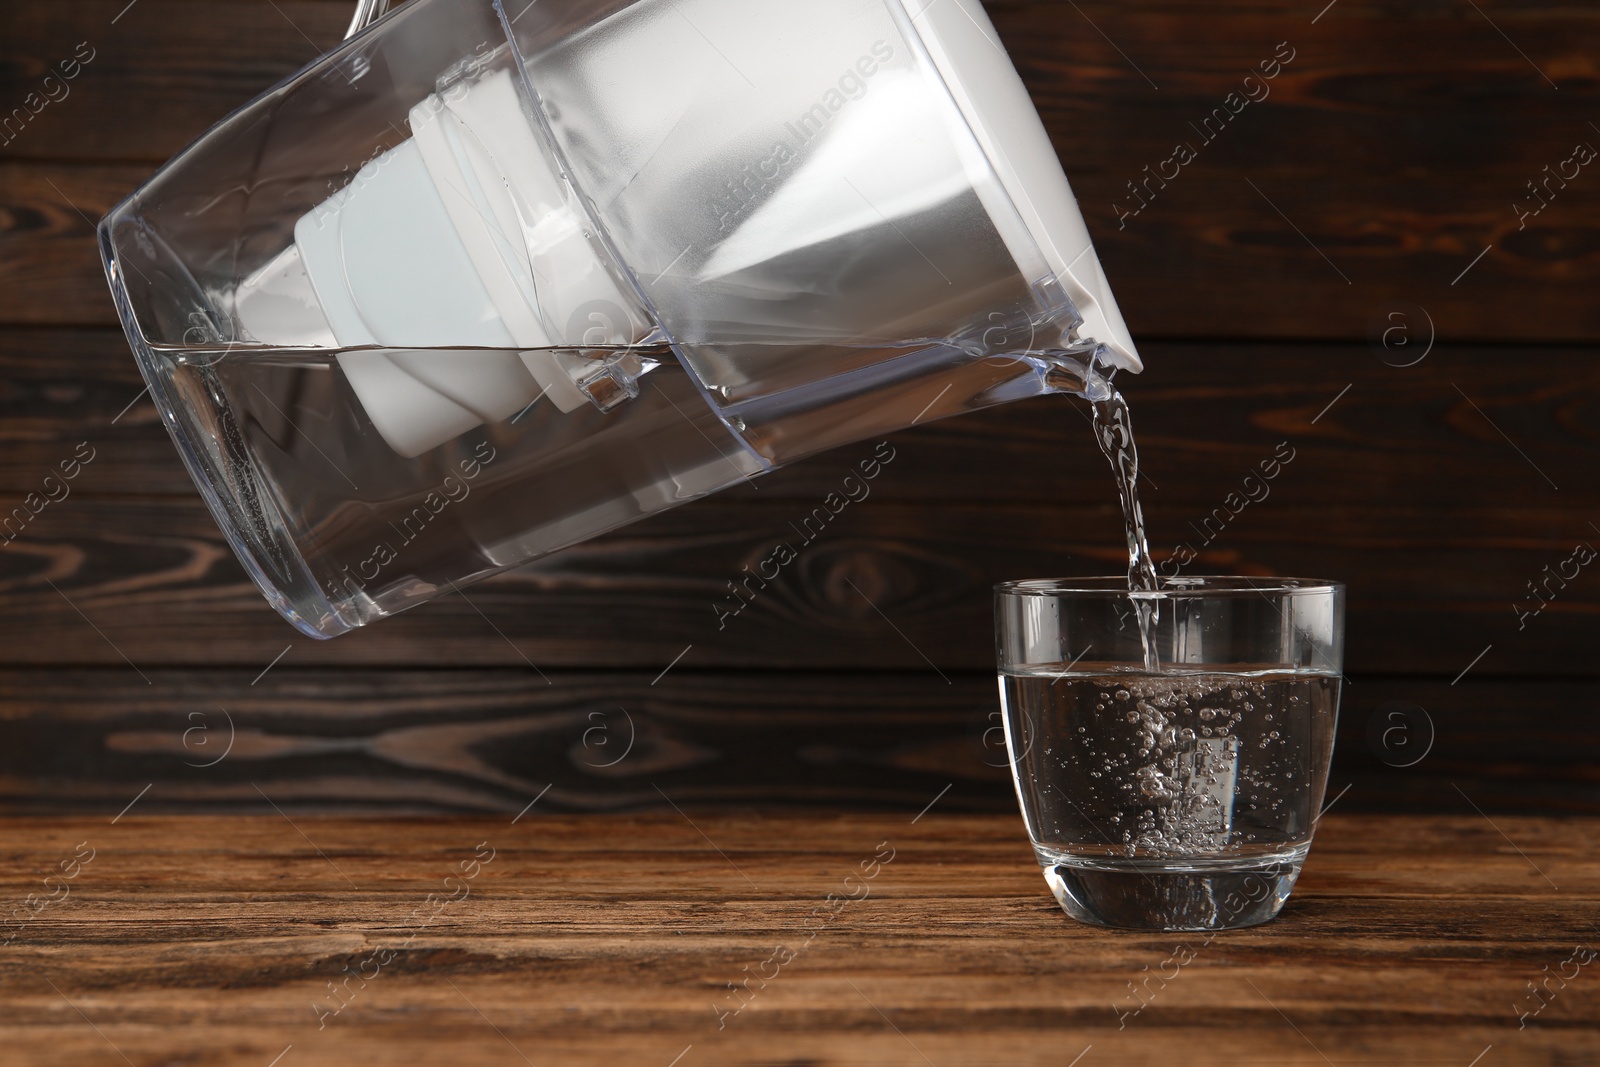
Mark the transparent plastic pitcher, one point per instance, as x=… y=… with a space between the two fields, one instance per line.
x=497 y=276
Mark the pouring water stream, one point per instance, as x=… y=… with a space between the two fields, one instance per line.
x=1114 y=432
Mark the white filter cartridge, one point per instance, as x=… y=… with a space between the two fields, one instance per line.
x=458 y=239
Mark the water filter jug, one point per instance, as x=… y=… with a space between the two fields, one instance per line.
x=497 y=276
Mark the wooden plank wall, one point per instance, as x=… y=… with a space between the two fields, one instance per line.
x=1374 y=189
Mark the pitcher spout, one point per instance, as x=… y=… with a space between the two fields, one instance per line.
x=1086 y=371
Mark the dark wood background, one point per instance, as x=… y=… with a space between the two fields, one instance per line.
x=1385 y=162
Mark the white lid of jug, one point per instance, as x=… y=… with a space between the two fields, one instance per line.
x=964 y=46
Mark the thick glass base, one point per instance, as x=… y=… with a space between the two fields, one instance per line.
x=1173 y=894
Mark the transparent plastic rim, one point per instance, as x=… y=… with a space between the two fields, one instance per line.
x=1180 y=588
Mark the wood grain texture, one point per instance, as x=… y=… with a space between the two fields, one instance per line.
x=150 y=582
x=49 y=262
x=487 y=741
x=605 y=941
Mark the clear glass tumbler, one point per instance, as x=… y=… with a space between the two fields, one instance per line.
x=1170 y=749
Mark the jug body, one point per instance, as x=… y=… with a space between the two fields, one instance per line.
x=496 y=277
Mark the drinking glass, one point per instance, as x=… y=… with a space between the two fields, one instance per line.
x=1170 y=749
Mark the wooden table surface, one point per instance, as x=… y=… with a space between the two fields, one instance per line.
x=563 y=940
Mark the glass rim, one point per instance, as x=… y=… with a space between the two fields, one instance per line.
x=1180 y=588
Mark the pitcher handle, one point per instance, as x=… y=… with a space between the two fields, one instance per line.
x=367 y=12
